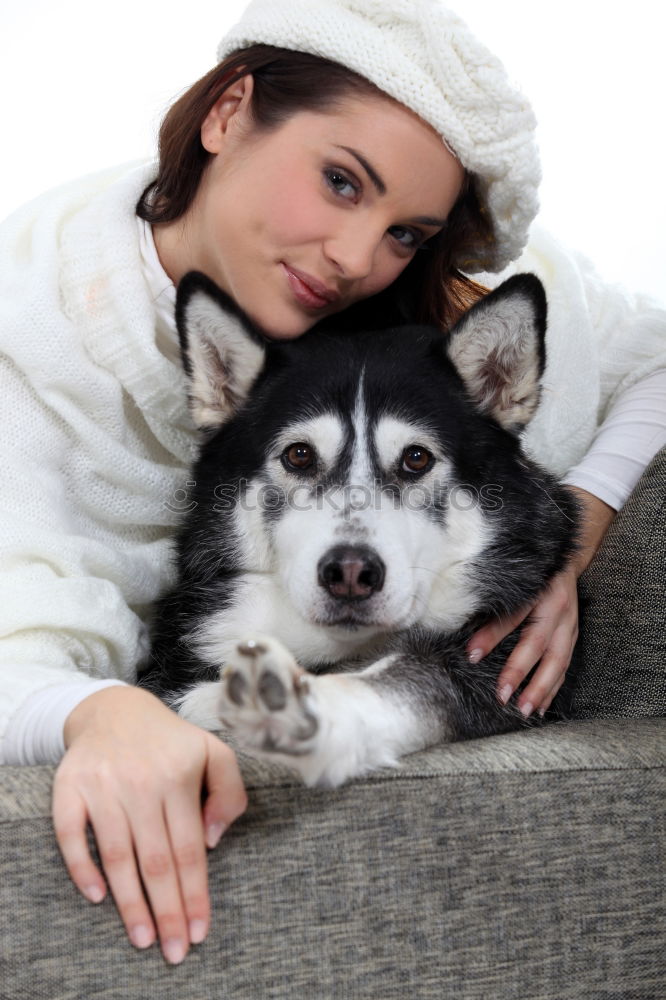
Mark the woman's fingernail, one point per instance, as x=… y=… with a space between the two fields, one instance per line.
x=527 y=709
x=214 y=832
x=141 y=936
x=475 y=655
x=505 y=693
x=174 y=951
x=198 y=931
x=94 y=893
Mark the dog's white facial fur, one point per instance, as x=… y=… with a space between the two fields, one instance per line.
x=421 y=556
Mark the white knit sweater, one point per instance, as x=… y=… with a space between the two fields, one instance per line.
x=97 y=438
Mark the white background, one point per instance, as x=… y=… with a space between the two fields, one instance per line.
x=83 y=86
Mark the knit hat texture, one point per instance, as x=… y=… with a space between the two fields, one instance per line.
x=423 y=55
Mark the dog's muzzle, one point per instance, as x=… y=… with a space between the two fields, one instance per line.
x=351 y=572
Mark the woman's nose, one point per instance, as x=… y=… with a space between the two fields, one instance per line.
x=353 y=251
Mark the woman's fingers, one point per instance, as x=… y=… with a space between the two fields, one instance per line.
x=162 y=859
x=535 y=639
x=156 y=870
x=550 y=697
x=72 y=811
x=174 y=868
x=490 y=635
x=547 y=639
x=70 y=819
x=550 y=673
x=116 y=850
x=185 y=827
x=227 y=798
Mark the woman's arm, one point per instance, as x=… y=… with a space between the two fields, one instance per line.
x=88 y=462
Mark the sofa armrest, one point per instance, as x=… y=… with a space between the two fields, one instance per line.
x=523 y=865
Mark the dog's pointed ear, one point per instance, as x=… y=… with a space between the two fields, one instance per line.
x=222 y=351
x=498 y=349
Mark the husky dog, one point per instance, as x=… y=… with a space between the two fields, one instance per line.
x=360 y=505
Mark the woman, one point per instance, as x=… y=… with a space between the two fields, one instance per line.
x=347 y=162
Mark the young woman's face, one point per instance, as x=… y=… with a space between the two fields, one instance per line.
x=301 y=221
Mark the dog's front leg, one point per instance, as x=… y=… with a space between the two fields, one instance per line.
x=329 y=728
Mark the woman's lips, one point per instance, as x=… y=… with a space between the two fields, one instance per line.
x=308 y=291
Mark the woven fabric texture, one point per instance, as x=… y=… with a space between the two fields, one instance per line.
x=621 y=652
x=526 y=867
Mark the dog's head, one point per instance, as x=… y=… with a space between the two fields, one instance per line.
x=372 y=476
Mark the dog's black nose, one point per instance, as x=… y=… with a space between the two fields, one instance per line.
x=351 y=572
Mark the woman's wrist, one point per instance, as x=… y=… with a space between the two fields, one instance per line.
x=35 y=732
x=596 y=518
x=101 y=706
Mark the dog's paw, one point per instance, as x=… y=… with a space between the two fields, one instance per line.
x=266 y=699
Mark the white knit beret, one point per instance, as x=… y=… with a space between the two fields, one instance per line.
x=424 y=56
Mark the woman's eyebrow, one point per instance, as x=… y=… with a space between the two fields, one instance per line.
x=423 y=220
x=369 y=169
x=429 y=220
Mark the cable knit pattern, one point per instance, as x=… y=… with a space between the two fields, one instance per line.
x=424 y=56
x=97 y=438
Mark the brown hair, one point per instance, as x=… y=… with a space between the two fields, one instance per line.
x=431 y=289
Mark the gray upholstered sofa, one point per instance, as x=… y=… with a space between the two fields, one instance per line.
x=527 y=866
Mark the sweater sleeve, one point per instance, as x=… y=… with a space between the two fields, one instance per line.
x=628 y=439
x=64 y=610
x=96 y=439
x=630 y=333
x=35 y=733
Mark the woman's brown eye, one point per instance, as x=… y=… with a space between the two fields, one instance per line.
x=415 y=459
x=298 y=456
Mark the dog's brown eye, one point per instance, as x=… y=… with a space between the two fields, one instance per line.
x=298 y=456
x=415 y=459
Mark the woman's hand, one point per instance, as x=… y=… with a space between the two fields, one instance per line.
x=547 y=639
x=135 y=771
x=550 y=636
